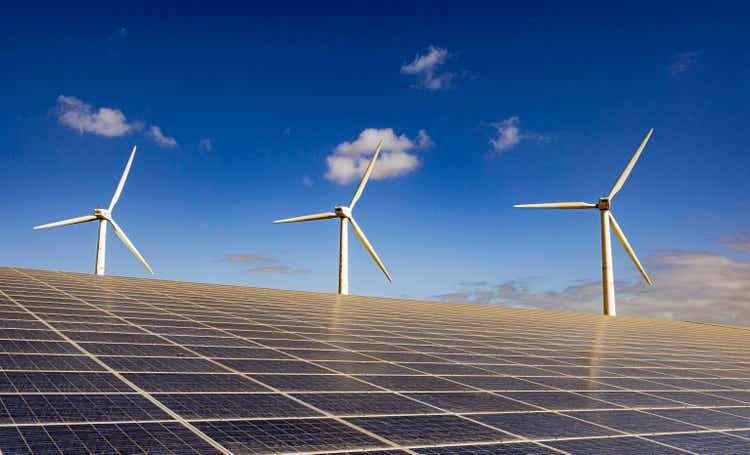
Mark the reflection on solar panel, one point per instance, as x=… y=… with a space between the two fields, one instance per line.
x=124 y=365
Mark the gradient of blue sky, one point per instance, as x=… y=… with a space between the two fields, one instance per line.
x=276 y=88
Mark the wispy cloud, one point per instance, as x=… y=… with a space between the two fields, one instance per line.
x=264 y=264
x=120 y=33
x=349 y=159
x=508 y=134
x=246 y=258
x=281 y=269
x=81 y=116
x=206 y=144
x=693 y=286
x=684 y=62
x=427 y=69
x=155 y=133
x=104 y=121
x=307 y=181
x=739 y=242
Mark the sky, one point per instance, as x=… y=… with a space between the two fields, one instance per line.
x=246 y=114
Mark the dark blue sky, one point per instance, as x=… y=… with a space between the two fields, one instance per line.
x=249 y=103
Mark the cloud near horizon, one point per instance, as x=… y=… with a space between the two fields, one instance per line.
x=739 y=242
x=427 y=69
x=265 y=264
x=688 y=286
x=349 y=160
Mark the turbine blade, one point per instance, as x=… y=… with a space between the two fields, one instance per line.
x=628 y=248
x=124 y=177
x=366 y=176
x=316 y=216
x=557 y=205
x=80 y=219
x=369 y=248
x=120 y=233
x=624 y=176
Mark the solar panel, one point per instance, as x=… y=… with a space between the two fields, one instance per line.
x=124 y=365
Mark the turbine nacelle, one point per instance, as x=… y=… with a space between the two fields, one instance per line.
x=343 y=212
x=102 y=214
x=603 y=203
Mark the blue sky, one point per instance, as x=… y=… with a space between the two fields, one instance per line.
x=489 y=105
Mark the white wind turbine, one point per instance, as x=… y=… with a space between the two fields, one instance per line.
x=104 y=216
x=607 y=220
x=344 y=213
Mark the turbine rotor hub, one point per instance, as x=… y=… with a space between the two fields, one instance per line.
x=343 y=212
x=102 y=214
x=603 y=203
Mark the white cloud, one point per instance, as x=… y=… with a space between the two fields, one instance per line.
x=739 y=242
x=426 y=68
x=105 y=121
x=692 y=286
x=206 y=144
x=684 y=62
x=161 y=140
x=349 y=159
x=509 y=134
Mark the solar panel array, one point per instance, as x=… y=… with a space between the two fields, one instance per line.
x=124 y=365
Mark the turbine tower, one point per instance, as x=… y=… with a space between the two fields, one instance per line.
x=105 y=216
x=344 y=213
x=607 y=221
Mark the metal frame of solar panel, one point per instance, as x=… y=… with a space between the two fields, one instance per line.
x=125 y=365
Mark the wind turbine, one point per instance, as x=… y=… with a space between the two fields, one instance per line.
x=105 y=216
x=344 y=213
x=607 y=220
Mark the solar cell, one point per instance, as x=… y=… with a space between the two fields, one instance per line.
x=286 y=436
x=167 y=438
x=119 y=365
x=713 y=419
x=511 y=448
x=614 y=446
x=471 y=402
x=41 y=382
x=543 y=425
x=363 y=404
x=434 y=429
x=636 y=422
x=713 y=443
x=233 y=405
